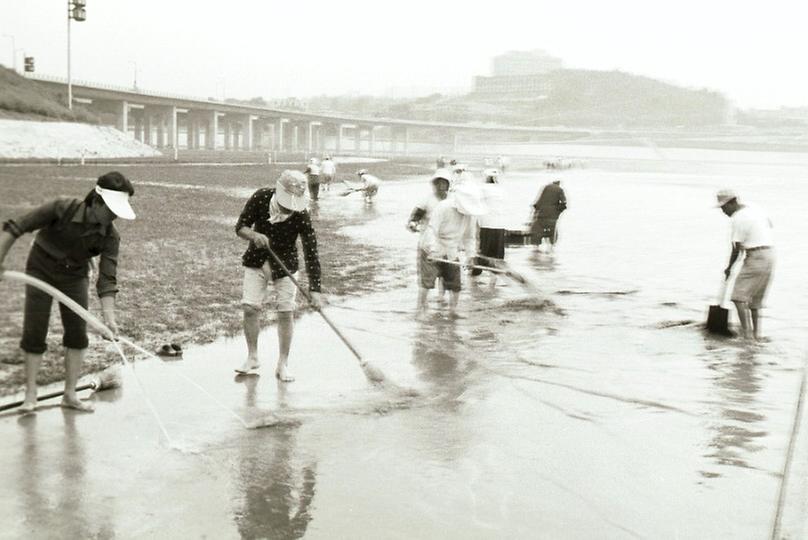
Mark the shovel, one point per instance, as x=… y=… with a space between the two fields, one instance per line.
x=718 y=315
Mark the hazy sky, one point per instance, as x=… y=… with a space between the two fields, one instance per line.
x=756 y=55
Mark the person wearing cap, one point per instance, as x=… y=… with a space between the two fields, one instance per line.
x=546 y=210
x=492 y=225
x=274 y=218
x=419 y=221
x=370 y=185
x=313 y=177
x=71 y=233
x=452 y=226
x=328 y=172
x=753 y=236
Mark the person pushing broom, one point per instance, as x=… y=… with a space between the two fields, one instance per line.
x=71 y=232
x=273 y=219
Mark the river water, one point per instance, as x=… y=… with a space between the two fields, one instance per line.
x=597 y=410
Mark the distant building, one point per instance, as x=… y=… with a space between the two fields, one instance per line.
x=518 y=74
x=517 y=63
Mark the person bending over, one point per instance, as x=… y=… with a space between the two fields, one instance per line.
x=71 y=232
x=274 y=218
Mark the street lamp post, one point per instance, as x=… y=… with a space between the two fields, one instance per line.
x=75 y=12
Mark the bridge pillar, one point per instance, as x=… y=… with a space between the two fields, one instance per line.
x=371 y=140
x=357 y=139
x=340 y=131
x=171 y=124
x=247 y=133
x=123 y=117
x=147 y=127
x=295 y=138
x=212 y=130
x=139 y=127
x=228 y=134
x=280 y=142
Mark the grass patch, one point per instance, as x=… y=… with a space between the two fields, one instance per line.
x=180 y=264
x=22 y=98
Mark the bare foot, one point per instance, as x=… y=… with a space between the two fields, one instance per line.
x=27 y=407
x=282 y=374
x=77 y=404
x=250 y=367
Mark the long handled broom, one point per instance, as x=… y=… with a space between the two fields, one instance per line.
x=372 y=373
x=504 y=270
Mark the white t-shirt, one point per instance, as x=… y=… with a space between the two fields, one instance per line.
x=449 y=230
x=328 y=167
x=752 y=228
x=497 y=216
x=428 y=204
x=371 y=181
x=313 y=169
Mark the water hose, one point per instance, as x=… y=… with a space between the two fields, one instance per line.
x=92 y=320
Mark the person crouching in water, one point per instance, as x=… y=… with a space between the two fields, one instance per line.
x=453 y=225
x=546 y=211
x=71 y=233
x=370 y=185
x=313 y=177
x=274 y=218
x=752 y=234
x=419 y=221
x=328 y=172
x=492 y=225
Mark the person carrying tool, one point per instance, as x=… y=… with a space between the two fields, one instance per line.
x=328 y=172
x=370 y=185
x=546 y=211
x=313 y=177
x=452 y=225
x=419 y=221
x=71 y=232
x=275 y=218
x=492 y=225
x=753 y=236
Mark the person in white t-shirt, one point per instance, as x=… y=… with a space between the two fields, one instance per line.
x=370 y=185
x=419 y=222
x=492 y=225
x=313 y=177
x=752 y=235
x=328 y=172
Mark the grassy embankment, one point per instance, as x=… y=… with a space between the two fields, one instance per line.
x=24 y=99
x=180 y=266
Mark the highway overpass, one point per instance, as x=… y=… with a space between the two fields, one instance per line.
x=174 y=121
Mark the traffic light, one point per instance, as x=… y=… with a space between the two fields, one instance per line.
x=29 y=64
x=78 y=12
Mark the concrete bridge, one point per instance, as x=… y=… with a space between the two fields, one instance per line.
x=173 y=121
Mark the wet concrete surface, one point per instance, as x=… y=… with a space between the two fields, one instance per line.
x=596 y=411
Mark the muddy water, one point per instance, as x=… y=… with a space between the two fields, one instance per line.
x=596 y=411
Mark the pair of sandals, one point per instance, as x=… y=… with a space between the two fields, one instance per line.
x=170 y=350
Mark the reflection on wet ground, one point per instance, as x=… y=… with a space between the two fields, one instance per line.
x=598 y=410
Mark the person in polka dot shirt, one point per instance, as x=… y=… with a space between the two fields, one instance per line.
x=276 y=217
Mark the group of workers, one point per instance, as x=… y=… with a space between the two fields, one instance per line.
x=323 y=173
x=71 y=232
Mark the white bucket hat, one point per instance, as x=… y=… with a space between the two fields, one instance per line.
x=291 y=191
x=468 y=200
x=724 y=196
